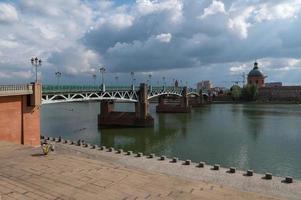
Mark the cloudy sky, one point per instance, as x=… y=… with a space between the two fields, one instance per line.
x=188 y=40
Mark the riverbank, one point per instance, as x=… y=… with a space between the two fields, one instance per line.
x=73 y=172
x=258 y=102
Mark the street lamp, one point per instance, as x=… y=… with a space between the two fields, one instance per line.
x=102 y=71
x=94 y=79
x=58 y=76
x=164 y=78
x=36 y=62
x=150 y=79
x=150 y=82
x=116 y=79
x=132 y=75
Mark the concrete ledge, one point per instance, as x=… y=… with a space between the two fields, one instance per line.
x=277 y=186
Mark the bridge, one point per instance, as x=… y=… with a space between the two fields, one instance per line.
x=22 y=103
x=74 y=93
x=140 y=95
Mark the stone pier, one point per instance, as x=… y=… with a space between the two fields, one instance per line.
x=182 y=107
x=140 y=118
x=197 y=101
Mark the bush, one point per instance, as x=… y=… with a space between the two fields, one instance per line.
x=249 y=93
x=235 y=91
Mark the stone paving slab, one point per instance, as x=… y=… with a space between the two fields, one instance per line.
x=73 y=172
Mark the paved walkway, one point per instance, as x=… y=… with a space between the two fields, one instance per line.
x=25 y=174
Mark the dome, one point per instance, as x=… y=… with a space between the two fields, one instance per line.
x=255 y=71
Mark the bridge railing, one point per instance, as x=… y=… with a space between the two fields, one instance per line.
x=15 y=89
x=167 y=88
x=91 y=88
x=81 y=88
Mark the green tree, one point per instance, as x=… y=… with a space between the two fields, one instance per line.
x=249 y=93
x=235 y=92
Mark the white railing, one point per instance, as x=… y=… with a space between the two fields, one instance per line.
x=16 y=89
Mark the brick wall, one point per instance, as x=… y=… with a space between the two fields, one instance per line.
x=20 y=118
x=284 y=93
x=11 y=119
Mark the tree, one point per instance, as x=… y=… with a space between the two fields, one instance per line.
x=235 y=92
x=249 y=93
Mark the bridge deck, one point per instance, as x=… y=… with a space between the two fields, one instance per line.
x=10 y=90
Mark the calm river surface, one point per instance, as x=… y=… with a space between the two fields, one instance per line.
x=265 y=138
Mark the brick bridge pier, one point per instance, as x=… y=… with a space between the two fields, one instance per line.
x=140 y=118
x=20 y=113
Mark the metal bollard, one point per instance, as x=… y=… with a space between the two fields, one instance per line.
x=232 y=170
x=268 y=176
x=201 y=164
x=187 y=162
x=249 y=173
x=216 y=167
x=288 y=179
x=139 y=154
x=119 y=151
x=163 y=157
x=151 y=155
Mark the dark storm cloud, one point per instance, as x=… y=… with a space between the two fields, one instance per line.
x=196 y=41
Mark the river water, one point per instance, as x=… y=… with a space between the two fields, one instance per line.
x=265 y=138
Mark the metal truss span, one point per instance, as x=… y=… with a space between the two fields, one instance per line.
x=60 y=94
x=89 y=96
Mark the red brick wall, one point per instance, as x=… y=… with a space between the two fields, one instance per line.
x=11 y=119
x=31 y=124
x=259 y=81
x=20 y=121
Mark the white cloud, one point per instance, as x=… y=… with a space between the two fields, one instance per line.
x=8 y=13
x=214 y=8
x=267 y=12
x=173 y=7
x=121 y=21
x=164 y=37
x=239 y=24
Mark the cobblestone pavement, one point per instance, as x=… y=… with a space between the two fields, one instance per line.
x=26 y=174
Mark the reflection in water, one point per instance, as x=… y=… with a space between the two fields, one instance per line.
x=259 y=137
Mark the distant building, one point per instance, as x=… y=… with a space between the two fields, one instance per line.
x=204 y=85
x=282 y=93
x=255 y=77
x=273 y=84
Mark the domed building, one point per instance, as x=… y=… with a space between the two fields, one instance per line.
x=255 y=77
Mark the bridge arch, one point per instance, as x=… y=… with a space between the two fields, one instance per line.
x=162 y=94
